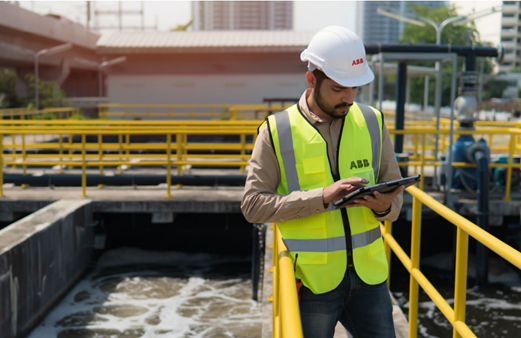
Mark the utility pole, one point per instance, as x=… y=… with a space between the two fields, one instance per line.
x=87 y=25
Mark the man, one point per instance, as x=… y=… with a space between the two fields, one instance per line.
x=312 y=154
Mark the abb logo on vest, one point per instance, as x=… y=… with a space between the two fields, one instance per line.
x=359 y=164
x=357 y=62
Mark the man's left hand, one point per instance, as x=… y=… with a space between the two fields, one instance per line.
x=377 y=202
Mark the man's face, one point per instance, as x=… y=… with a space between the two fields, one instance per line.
x=333 y=99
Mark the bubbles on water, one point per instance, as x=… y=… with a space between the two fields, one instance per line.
x=151 y=294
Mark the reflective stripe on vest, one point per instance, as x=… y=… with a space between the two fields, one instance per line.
x=332 y=244
x=374 y=131
x=316 y=245
x=287 y=151
x=365 y=238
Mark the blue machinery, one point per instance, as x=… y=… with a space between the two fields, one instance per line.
x=465 y=149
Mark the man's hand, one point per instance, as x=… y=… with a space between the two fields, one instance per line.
x=341 y=188
x=377 y=201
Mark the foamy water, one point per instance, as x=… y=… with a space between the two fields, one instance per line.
x=134 y=293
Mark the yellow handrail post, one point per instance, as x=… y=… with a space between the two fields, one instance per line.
x=415 y=265
x=286 y=314
x=422 y=168
x=460 y=284
x=60 y=171
x=388 y=229
x=120 y=145
x=70 y=150
x=13 y=140
x=100 y=153
x=168 y=165
x=127 y=146
x=243 y=151
x=275 y=305
x=415 y=141
x=179 y=141
x=83 y=166
x=511 y=152
x=1 y=165
x=23 y=155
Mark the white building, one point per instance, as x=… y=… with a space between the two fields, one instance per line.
x=376 y=28
x=215 y=67
x=510 y=32
x=242 y=15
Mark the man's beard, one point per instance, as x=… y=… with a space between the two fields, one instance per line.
x=328 y=109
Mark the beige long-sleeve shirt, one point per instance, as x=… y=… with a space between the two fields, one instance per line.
x=261 y=203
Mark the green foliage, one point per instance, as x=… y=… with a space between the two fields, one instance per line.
x=464 y=35
x=494 y=88
x=179 y=28
x=7 y=89
x=49 y=93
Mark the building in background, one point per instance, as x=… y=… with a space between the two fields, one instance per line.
x=215 y=67
x=376 y=28
x=242 y=15
x=510 y=30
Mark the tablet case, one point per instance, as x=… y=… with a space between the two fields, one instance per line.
x=383 y=187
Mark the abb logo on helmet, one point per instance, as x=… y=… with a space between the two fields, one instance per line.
x=357 y=62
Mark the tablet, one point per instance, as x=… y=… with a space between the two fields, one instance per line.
x=383 y=187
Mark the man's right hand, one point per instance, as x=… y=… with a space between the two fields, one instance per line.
x=341 y=188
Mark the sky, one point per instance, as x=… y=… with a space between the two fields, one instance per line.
x=308 y=15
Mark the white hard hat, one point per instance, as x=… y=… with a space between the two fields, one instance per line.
x=340 y=54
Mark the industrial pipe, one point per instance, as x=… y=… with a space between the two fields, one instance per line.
x=482 y=214
x=67 y=180
x=431 y=48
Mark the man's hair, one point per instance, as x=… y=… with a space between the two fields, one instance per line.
x=320 y=76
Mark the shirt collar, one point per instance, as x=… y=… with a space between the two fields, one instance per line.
x=304 y=108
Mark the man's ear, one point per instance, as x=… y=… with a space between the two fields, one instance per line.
x=311 y=80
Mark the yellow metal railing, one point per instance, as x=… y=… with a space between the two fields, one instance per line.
x=418 y=140
x=187 y=111
x=286 y=314
x=175 y=148
x=456 y=315
x=36 y=134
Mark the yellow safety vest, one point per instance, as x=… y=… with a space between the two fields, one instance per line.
x=320 y=240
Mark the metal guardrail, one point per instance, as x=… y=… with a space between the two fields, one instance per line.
x=36 y=134
x=420 y=158
x=286 y=314
x=456 y=315
x=188 y=111
x=174 y=150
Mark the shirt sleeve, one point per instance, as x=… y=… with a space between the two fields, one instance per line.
x=260 y=202
x=389 y=170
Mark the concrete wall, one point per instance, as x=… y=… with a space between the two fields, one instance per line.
x=41 y=257
x=202 y=89
x=25 y=21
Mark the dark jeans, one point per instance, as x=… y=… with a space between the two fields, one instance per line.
x=364 y=310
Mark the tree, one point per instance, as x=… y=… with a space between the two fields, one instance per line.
x=49 y=93
x=180 y=28
x=463 y=35
x=7 y=89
